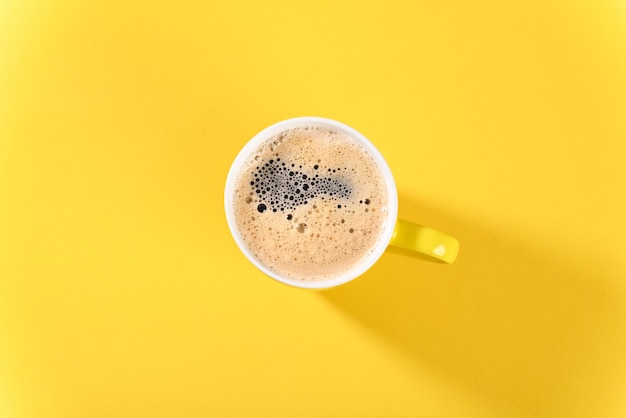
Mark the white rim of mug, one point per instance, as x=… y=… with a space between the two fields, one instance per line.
x=313 y=121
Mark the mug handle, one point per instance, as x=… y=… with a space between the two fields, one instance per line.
x=424 y=242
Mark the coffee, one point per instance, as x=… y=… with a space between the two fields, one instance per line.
x=310 y=203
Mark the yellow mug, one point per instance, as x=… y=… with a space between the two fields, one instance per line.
x=410 y=238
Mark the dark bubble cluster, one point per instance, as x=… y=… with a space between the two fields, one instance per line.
x=282 y=186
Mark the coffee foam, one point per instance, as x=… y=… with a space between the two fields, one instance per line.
x=310 y=203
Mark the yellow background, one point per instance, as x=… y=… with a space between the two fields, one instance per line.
x=122 y=293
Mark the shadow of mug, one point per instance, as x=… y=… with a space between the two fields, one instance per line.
x=528 y=334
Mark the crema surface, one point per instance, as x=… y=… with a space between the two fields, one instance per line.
x=310 y=203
